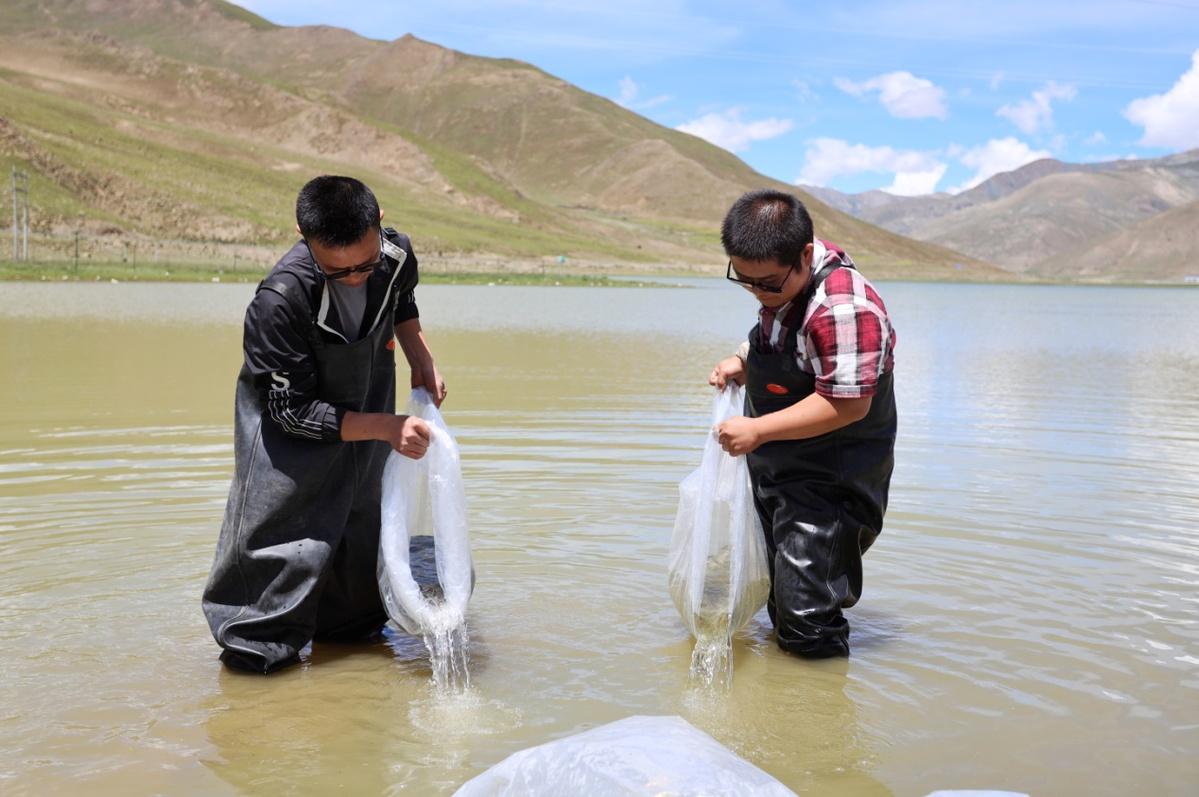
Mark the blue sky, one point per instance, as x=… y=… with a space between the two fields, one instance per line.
x=909 y=97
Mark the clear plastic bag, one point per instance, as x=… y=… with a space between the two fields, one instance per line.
x=718 y=573
x=425 y=496
x=634 y=756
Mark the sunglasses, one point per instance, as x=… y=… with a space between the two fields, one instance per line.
x=342 y=273
x=758 y=285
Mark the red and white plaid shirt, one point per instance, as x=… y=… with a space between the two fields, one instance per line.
x=846 y=339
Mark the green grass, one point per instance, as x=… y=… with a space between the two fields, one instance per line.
x=124 y=272
x=202 y=181
x=58 y=271
x=237 y=12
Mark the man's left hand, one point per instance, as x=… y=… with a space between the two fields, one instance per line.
x=427 y=376
x=738 y=435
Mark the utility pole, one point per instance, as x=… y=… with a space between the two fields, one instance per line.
x=20 y=214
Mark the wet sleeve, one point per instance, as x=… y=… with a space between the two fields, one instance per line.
x=405 y=308
x=848 y=339
x=284 y=370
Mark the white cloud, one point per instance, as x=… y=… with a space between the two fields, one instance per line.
x=726 y=129
x=1036 y=114
x=917 y=183
x=1170 y=119
x=915 y=172
x=1096 y=138
x=996 y=79
x=629 y=93
x=805 y=90
x=997 y=155
x=904 y=95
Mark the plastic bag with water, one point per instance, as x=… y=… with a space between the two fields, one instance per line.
x=634 y=756
x=718 y=573
x=426 y=497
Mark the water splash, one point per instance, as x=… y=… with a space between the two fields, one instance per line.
x=712 y=656
x=446 y=637
x=712 y=661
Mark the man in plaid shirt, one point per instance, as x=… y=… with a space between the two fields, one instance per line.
x=819 y=424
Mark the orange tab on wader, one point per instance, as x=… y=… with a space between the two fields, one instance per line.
x=391 y=345
x=777 y=390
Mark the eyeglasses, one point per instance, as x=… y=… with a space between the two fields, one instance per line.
x=758 y=285
x=342 y=273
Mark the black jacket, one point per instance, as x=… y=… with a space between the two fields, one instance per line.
x=291 y=307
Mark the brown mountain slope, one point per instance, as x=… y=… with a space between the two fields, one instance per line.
x=1162 y=248
x=466 y=136
x=1063 y=213
x=906 y=214
x=1045 y=209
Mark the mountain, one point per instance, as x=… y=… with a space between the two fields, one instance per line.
x=1044 y=212
x=906 y=214
x=198 y=119
x=1164 y=247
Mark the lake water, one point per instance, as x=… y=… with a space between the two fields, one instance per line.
x=1030 y=618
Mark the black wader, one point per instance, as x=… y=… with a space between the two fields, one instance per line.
x=821 y=500
x=297 y=554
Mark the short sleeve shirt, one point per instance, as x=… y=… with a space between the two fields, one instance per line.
x=846 y=339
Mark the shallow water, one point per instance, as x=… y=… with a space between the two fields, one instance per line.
x=1030 y=618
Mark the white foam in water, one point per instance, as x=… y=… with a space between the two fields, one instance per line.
x=450 y=715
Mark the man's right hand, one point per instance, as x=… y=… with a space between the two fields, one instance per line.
x=730 y=369
x=410 y=436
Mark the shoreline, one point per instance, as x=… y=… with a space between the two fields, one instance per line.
x=487 y=272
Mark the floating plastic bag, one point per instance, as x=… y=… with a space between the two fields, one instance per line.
x=718 y=573
x=634 y=756
x=426 y=496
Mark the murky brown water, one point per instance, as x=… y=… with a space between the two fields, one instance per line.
x=1030 y=620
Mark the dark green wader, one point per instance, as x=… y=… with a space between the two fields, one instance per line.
x=297 y=553
x=821 y=501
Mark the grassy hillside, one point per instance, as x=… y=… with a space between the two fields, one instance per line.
x=194 y=118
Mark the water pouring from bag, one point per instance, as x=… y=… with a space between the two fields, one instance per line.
x=718 y=574
x=426 y=497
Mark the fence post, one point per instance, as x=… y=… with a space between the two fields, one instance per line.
x=14 y=213
x=20 y=216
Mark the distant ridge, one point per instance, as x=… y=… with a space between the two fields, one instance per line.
x=1047 y=216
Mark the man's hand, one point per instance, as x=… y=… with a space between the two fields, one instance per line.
x=409 y=436
x=426 y=375
x=416 y=352
x=730 y=369
x=739 y=435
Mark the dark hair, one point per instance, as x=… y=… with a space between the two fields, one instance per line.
x=336 y=211
x=765 y=225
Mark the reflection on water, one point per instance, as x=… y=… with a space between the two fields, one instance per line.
x=1030 y=619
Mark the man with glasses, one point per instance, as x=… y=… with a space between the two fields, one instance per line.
x=819 y=424
x=314 y=421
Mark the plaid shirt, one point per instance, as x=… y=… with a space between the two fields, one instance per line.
x=846 y=339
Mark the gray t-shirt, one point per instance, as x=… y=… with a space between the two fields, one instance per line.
x=350 y=303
